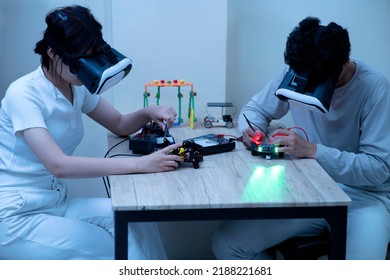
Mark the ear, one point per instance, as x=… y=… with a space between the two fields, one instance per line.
x=345 y=65
x=51 y=53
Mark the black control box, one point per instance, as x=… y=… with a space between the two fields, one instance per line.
x=214 y=143
x=151 y=138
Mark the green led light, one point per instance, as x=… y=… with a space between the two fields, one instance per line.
x=265 y=183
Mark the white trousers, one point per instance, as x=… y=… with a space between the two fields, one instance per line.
x=368 y=230
x=42 y=224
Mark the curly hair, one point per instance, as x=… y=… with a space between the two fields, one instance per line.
x=73 y=29
x=317 y=51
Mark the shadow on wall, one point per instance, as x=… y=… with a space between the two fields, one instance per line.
x=21 y=26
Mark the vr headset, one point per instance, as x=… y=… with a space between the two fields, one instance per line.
x=294 y=89
x=301 y=89
x=100 y=71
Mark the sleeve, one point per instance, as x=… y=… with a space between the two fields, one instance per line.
x=25 y=107
x=370 y=166
x=264 y=106
x=90 y=101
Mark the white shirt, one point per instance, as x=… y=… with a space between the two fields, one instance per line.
x=33 y=101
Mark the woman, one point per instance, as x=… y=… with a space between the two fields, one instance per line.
x=40 y=127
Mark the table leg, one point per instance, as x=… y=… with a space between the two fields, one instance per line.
x=121 y=236
x=338 y=234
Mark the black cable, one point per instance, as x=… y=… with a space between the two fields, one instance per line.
x=300 y=128
x=117 y=144
x=124 y=155
x=250 y=123
x=107 y=186
x=106 y=181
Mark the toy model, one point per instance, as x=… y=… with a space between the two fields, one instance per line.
x=190 y=152
x=226 y=120
x=174 y=83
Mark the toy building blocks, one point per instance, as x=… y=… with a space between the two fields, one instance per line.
x=174 y=83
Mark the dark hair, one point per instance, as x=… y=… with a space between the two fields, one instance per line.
x=73 y=29
x=317 y=51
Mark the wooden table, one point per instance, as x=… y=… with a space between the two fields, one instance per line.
x=231 y=185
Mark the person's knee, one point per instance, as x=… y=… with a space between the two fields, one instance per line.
x=218 y=247
x=223 y=247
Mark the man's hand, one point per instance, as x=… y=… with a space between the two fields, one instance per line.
x=249 y=136
x=293 y=144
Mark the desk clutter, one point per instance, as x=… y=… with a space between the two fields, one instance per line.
x=227 y=185
x=153 y=137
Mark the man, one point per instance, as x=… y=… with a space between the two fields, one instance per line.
x=349 y=139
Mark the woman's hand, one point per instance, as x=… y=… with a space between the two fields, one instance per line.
x=159 y=114
x=160 y=161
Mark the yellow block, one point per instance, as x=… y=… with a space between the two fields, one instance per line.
x=192 y=118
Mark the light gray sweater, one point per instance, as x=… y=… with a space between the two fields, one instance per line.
x=353 y=138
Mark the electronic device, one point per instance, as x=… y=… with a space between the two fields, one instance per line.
x=151 y=138
x=214 y=143
x=99 y=71
x=294 y=89
x=306 y=88
x=102 y=71
x=190 y=152
x=268 y=151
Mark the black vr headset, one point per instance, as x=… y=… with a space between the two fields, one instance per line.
x=302 y=89
x=100 y=71
x=294 y=89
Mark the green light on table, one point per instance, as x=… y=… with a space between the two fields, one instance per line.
x=265 y=183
